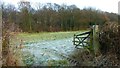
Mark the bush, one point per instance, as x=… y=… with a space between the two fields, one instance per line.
x=110 y=39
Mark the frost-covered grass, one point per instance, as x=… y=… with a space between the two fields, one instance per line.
x=38 y=42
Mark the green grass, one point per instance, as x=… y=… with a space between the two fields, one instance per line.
x=46 y=36
x=58 y=63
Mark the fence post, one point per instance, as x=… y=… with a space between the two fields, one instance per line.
x=96 y=44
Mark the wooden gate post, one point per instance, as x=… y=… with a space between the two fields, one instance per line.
x=96 y=44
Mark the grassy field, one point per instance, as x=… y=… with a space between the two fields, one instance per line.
x=45 y=36
x=48 y=39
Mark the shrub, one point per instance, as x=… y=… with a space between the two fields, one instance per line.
x=110 y=39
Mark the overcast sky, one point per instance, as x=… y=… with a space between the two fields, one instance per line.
x=104 y=5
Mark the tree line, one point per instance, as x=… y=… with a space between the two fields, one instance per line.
x=52 y=17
